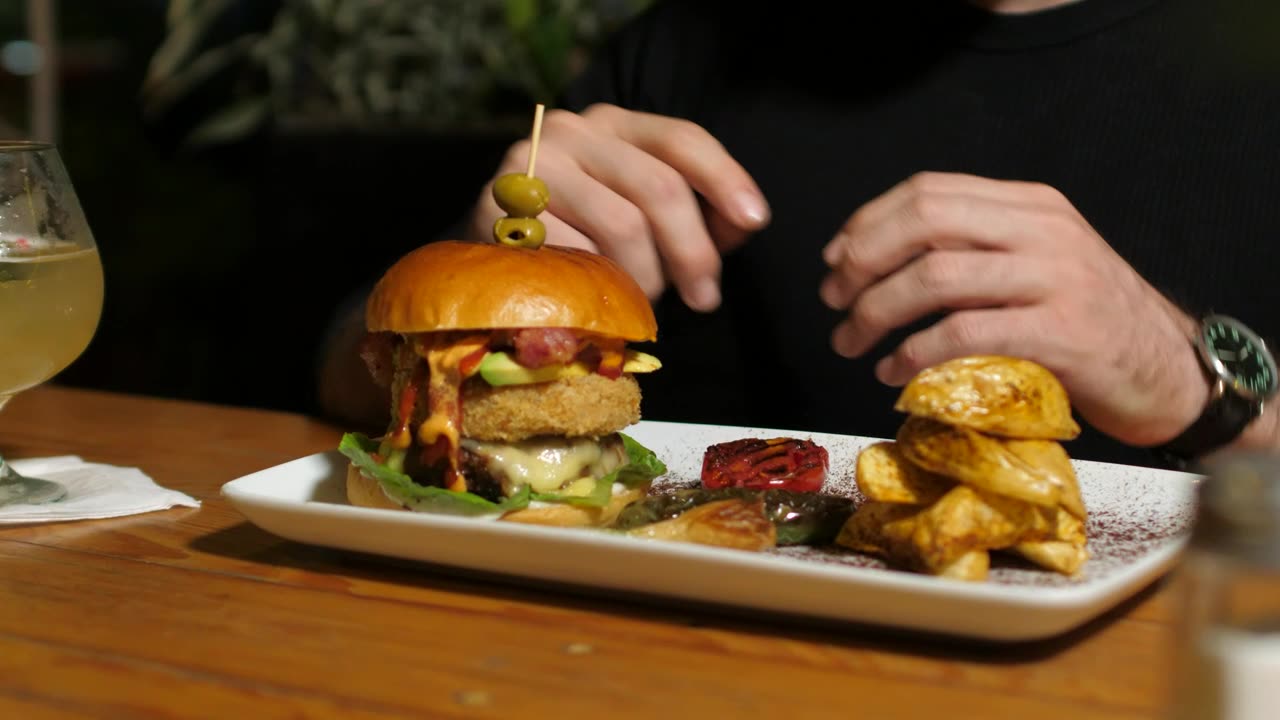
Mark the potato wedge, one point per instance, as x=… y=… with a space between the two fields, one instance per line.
x=1065 y=551
x=931 y=538
x=864 y=531
x=973 y=566
x=884 y=475
x=1068 y=528
x=985 y=462
x=1050 y=460
x=888 y=530
x=967 y=519
x=1064 y=557
x=736 y=523
x=1004 y=396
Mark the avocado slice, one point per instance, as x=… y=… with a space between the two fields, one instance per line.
x=499 y=368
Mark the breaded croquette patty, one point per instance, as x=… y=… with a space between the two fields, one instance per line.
x=591 y=405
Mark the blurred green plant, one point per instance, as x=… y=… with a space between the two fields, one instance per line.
x=433 y=64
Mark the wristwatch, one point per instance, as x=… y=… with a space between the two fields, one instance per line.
x=1242 y=372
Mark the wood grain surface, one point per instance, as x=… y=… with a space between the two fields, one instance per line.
x=194 y=613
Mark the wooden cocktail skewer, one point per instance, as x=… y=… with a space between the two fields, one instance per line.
x=533 y=138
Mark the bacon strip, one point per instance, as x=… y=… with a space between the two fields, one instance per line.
x=539 y=347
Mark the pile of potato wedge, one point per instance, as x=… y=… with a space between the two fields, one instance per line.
x=977 y=467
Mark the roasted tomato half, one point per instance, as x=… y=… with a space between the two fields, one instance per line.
x=782 y=463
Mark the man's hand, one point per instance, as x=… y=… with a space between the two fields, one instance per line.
x=1020 y=273
x=658 y=195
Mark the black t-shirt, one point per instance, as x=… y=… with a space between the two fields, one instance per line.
x=1158 y=119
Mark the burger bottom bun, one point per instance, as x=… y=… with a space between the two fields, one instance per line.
x=365 y=492
x=565 y=515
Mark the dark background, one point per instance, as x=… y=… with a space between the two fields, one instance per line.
x=225 y=261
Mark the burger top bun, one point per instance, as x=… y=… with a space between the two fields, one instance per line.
x=456 y=285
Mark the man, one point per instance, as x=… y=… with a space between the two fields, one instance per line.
x=822 y=206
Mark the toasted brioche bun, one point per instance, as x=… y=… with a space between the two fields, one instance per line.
x=565 y=515
x=363 y=491
x=455 y=285
x=367 y=492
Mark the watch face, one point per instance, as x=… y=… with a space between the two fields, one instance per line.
x=1241 y=356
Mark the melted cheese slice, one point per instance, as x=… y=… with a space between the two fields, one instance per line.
x=548 y=465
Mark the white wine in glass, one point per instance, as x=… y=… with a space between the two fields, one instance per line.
x=51 y=286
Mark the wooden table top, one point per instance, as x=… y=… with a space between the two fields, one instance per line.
x=196 y=613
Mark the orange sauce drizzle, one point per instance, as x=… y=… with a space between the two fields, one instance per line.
x=440 y=432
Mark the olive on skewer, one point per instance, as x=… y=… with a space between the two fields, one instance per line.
x=520 y=231
x=522 y=196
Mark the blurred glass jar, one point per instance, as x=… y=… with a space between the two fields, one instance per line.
x=1228 y=591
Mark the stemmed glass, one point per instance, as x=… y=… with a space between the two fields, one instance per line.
x=50 y=286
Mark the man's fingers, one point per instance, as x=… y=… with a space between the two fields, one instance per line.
x=563 y=234
x=667 y=203
x=699 y=158
x=999 y=331
x=726 y=236
x=601 y=216
x=659 y=195
x=937 y=281
x=1011 y=192
x=867 y=253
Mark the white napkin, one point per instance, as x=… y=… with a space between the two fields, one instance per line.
x=93 y=491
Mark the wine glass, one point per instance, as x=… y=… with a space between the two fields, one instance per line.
x=50 y=286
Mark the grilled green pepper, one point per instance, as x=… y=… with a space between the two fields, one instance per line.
x=802 y=518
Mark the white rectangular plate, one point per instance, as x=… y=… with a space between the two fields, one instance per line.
x=1139 y=518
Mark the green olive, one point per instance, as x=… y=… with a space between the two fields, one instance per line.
x=520 y=232
x=520 y=195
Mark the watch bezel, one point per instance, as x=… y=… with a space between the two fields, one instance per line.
x=1228 y=378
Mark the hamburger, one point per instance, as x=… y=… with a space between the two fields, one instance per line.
x=511 y=377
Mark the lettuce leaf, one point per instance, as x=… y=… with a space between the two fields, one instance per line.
x=644 y=465
x=641 y=467
x=358 y=448
x=598 y=497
